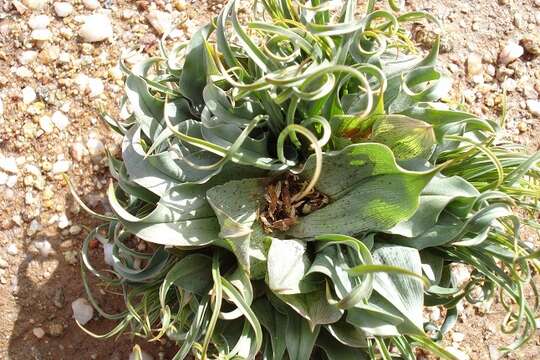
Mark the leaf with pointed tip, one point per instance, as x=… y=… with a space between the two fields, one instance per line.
x=368 y=192
x=300 y=338
x=407 y=137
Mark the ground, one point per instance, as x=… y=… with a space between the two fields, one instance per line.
x=65 y=74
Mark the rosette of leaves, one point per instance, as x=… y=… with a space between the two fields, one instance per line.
x=305 y=190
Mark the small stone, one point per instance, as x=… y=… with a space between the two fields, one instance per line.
x=35 y=4
x=61 y=166
x=3 y=264
x=522 y=126
x=63 y=221
x=12 y=249
x=19 y=6
x=70 y=256
x=180 y=5
x=458 y=337
x=509 y=85
x=78 y=151
x=41 y=34
x=33 y=228
x=96 y=28
x=534 y=107
x=60 y=120
x=435 y=314
x=39 y=22
x=82 y=311
x=23 y=72
x=75 y=230
x=44 y=247
x=474 y=65
x=531 y=44
x=510 y=53
x=28 y=95
x=63 y=9
x=11 y=181
x=49 y=54
x=46 y=124
x=460 y=275
x=38 y=332
x=91 y=4
x=56 y=329
x=95 y=147
x=59 y=298
x=8 y=164
x=27 y=57
x=3 y=178
x=161 y=21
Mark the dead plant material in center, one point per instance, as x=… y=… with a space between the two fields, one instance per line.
x=281 y=210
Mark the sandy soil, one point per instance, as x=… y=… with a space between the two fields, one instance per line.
x=36 y=291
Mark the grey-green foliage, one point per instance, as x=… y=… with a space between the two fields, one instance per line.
x=348 y=104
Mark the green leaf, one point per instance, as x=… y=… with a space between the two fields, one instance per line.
x=335 y=350
x=404 y=292
x=300 y=338
x=367 y=189
x=275 y=323
x=408 y=138
x=286 y=266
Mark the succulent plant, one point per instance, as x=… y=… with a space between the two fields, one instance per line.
x=306 y=187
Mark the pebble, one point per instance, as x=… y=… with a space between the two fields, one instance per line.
x=8 y=164
x=510 y=53
x=509 y=84
x=534 y=107
x=44 y=247
x=82 y=311
x=91 y=86
x=460 y=275
x=41 y=34
x=78 y=151
x=28 y=95
x=26 y=57
x=531 y=44
x=3 y=264
x=161 y=21
x=474 y=65
x=46 y=124
x=96 y=28
x=3 y=178
x=33 y=228
x=180 y=5
x=61 y=166
x=56 y=329
x=11 y=181
x=458 y=337
x=63 y=222
x=39 y=22
x=38 y=332
x=23 y=72
x=60 y=120
x=63 y=9
x=12 y=249
x=91 y=4
x=35 y=4
x=95 y=146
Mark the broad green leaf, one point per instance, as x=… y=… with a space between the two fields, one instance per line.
x=300 y=338
x=367 y=189
x=335 y=350
x=408 y=138
x=235 y=205
x=275 y=323
x=286 y=266
x=192 y=273
x=148 y=110
x=404 y=292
